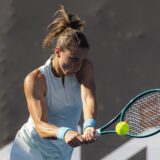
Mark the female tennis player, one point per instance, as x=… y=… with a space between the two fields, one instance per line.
x=56 y=93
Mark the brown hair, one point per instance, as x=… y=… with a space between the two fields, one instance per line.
x=66 y=32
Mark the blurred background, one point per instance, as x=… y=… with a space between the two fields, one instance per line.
x=124 y=37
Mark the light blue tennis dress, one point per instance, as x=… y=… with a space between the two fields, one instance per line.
x=64 y=110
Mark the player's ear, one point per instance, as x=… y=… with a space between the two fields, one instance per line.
x=57 y=51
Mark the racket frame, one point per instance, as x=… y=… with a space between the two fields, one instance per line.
x=120 y=116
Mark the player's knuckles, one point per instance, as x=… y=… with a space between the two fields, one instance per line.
x=72 y=136
x=70 y=140
x=74 y=141
x=80 y=141
x=75 y=144
x=72 y=145
x=89 y=136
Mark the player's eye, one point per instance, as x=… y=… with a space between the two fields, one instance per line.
x=74 y=59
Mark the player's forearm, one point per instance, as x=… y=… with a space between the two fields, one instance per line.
x=89 y=117
x=89 y=108
x=46 y=130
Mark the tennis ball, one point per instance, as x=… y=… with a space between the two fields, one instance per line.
x=122 y=128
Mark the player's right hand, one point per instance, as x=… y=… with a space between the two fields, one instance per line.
x=73 y=138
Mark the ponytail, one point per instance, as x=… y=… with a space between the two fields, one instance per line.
x=66 y=31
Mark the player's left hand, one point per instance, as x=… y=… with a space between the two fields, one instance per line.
x=89 y=135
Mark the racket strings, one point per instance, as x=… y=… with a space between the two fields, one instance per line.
x=143 y=116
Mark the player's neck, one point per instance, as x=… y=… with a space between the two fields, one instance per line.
x=56 y=69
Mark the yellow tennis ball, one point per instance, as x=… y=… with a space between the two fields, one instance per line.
x=122 y=128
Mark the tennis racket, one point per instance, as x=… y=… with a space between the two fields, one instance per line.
x=142 y=114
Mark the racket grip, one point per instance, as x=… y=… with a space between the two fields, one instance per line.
x=97 y=133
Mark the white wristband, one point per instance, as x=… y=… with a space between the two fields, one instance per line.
x=61 y=132
x=89 y=123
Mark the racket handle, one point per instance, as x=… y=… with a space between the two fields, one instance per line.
x=97 y=133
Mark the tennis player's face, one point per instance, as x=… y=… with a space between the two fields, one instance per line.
x=71 y=61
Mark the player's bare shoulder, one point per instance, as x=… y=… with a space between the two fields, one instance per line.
x=35 y=82
x=86 y=71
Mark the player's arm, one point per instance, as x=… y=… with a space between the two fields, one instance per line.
x=35 y=91
x=88 y=91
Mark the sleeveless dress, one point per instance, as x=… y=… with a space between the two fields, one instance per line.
x=64 y=106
